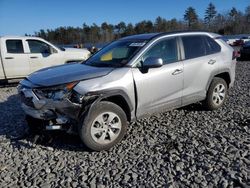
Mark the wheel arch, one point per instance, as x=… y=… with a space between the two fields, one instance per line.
x=117 y=97
x=224 y=74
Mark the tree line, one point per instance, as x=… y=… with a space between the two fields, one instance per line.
x=228 y=23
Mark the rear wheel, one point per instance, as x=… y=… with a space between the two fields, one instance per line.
x=103 y=127
x=216 y=94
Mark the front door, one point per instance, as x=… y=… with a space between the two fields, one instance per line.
x=42 y=55
x=159 y=88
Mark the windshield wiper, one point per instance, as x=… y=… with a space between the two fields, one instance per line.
x=99 y=64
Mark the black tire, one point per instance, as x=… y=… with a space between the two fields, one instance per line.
x=87 y=124
x=210 y=103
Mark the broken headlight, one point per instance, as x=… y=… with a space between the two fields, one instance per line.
x=55 y=93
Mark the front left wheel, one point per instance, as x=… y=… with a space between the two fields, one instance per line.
x=103 y=127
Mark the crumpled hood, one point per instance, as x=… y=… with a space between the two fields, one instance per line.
x=66 y=73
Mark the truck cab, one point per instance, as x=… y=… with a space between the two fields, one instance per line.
x=21 y=56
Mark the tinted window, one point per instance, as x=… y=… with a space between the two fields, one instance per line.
x=193 y=46
x=166 y=49
x=211 y=46
x=14 y=46
x=38 y=47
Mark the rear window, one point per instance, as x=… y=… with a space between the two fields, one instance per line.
x=211 y=46
x=193 y=46
x=199 y=45
x=14 y=46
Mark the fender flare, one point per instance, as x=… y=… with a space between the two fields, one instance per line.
x=93 y=98
x=226 y=70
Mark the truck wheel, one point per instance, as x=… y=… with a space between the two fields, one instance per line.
x=216 y=94
x=103 y=127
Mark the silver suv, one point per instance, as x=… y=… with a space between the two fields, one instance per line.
x=126 y=80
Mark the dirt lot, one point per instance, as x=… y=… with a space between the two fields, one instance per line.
x=184 y=147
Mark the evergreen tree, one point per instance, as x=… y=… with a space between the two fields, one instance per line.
x=160 y=24
x=233 y=22
x=248 y=14
x=233 y=13
x=210 y=14
x=191 y=17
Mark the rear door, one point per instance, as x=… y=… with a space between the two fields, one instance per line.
x=200 y=62
x=159 y=88
x=42 y=55
x=15 y=59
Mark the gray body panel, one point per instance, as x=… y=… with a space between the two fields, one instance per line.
x=158 y=89
x=146 y=92
x=66 y=73
x=120 y=79
x=196 y=75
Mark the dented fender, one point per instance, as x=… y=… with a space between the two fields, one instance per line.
x=92 y=98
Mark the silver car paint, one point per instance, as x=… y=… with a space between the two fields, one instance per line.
x=118 y=79
x=196 y=75
x=226 y=62
x=159 y=88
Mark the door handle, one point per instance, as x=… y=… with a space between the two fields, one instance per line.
x=33 y=57
x=177 y=71
x=9 y=58
x=212 y=61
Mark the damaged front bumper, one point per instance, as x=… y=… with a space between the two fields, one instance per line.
x=59 y=114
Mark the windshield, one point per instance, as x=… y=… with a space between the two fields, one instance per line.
x=116 y=54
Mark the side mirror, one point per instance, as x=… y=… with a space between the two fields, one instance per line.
x=153 y=62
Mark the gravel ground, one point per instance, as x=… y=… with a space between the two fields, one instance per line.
x=187 y=147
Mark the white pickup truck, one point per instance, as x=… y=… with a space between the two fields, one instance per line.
x=20 y=56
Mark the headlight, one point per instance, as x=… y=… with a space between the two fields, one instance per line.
x=55 y=93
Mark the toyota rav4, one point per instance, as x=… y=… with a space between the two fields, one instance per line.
x=129 y=78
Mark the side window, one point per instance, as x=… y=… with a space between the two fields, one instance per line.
x=166 y=49
x=37 y=46
x=193 y=46
x=211 y=46
x=14 y=46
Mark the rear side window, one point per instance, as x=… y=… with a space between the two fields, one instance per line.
x=14 y=46
x=193 y=46
x=211 y=46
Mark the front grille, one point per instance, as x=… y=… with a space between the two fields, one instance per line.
x=26 y=100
